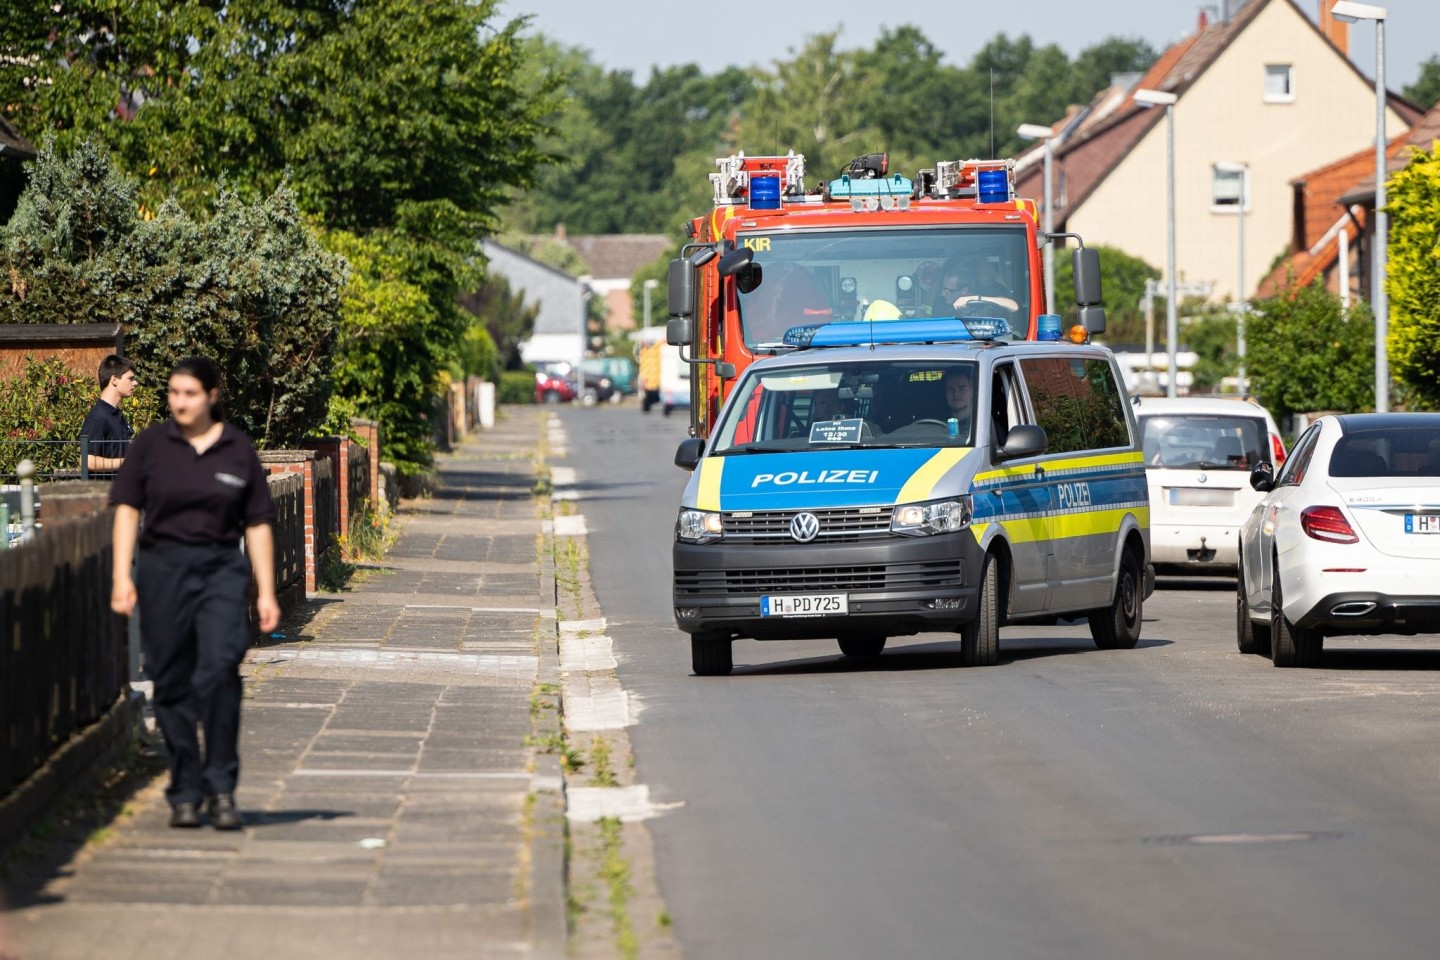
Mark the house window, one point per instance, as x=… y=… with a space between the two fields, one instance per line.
x=1279 y=83
x=1228 y=188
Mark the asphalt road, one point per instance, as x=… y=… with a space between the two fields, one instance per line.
x=1172 y=801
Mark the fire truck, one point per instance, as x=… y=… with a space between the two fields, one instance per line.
x=773 y=261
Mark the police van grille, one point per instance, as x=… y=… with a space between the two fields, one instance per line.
x=843 y=525
x=895 y=576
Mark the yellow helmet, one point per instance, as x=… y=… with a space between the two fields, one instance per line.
x=882 y=310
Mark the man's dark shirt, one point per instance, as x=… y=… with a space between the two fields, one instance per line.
x=108 y=432
x=189 y=497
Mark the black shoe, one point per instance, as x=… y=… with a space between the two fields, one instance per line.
x=185 y=815
x=223 y=815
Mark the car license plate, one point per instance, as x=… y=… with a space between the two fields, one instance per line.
x=1201 y=497
x=805 y=605
x=1422 y=523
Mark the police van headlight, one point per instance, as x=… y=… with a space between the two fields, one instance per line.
x=699 y=526
x=925 y=519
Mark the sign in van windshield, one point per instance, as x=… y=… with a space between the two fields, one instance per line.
x=836 y=431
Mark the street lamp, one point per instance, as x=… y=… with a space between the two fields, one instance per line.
x=1159 y=98
x=1035 y=131
x=649 y=285
x=1350 y=13
x=1242 y=305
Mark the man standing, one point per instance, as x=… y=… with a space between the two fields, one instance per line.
x=106 y=428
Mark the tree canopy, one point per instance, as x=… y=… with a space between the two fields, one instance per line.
x=1413 y=282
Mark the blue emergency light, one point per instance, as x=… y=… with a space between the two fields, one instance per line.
x=860 y=333
x=764 y=192
x=994 y=186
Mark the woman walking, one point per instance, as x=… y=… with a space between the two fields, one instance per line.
x=201 y=489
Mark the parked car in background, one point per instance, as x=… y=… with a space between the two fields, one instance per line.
x=1198 y=456
x=552 y=386
x=619 y=370
x=1346 y=540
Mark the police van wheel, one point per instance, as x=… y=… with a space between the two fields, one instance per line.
x=862 y=645
x=1117 y=627
x=710 y=655
x=980 y=638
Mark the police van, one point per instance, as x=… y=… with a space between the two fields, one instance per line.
x=842 y=495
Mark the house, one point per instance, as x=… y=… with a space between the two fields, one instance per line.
x=1263 y=95
x=559 y=332
x=1333 y=221
x=612 y=261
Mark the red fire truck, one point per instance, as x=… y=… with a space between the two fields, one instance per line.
x=773 y=261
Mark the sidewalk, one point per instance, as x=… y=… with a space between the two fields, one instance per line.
x=395 y=804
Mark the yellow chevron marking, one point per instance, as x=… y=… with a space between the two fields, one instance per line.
x=921 y=485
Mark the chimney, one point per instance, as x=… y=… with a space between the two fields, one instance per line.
x=1203 y=22
x=1336 y=31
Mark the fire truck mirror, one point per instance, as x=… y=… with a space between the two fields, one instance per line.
x=749 y=278
x=735 y=261
x=1087 y=276
x=1092 y=317
x=681 y=288
x=680 y=332
x=725 y=371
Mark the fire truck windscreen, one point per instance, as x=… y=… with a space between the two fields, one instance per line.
x=818 y=276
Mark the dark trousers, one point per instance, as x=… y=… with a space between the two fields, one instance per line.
x=194 y=629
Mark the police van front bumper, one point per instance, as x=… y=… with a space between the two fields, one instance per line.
x=893 y=586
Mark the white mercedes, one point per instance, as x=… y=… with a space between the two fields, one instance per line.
x=1347 y=539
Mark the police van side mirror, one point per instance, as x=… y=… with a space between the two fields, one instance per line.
x=687 y=455
x=1023 y=440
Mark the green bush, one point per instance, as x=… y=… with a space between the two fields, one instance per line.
x=516 y=386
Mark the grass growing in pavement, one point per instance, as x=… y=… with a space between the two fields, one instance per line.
x=615 y=871
x=604 y=776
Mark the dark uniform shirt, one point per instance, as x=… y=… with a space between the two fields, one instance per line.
x=189 y=497
x=108 y=432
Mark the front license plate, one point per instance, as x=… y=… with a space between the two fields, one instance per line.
x=805 y=605
x=1422 y=523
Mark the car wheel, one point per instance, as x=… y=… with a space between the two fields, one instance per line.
x=617 y=397
x=588 y=398
x=710 y=655
x=1291 y=646
x=980 y=638
x=1249 y=636
x=552 y=396
x=1117 y=627
x=862 y=645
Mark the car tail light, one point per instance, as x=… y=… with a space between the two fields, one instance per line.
x=1328 y=524
x=1277 y=449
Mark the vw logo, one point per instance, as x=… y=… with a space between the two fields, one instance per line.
x=804 y=527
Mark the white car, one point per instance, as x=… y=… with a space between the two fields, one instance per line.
x=1347 y=539
x=1198 y=456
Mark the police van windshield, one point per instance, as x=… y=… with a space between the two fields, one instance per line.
x=814 y=277
x=894 y=403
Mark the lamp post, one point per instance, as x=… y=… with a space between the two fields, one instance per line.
x=1035 y=131
x=649 y=285
x=1350 y=13
x=1242 y=305
x=1159 y=98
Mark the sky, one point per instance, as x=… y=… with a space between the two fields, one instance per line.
x=638 y=34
